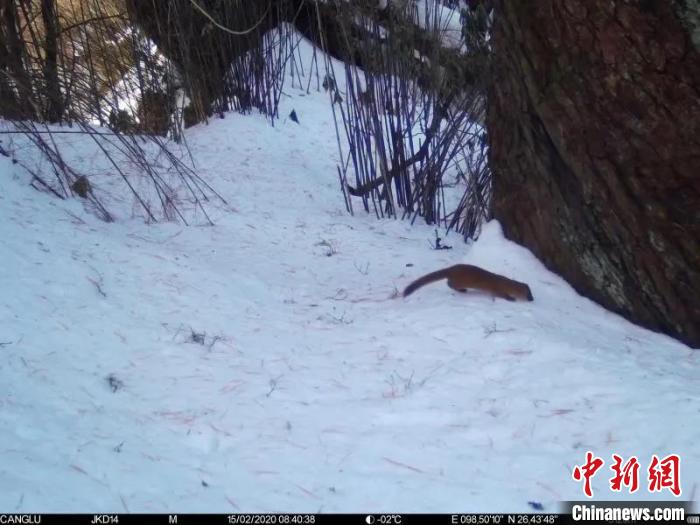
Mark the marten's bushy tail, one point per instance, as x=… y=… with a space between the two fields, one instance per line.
x=426 y=279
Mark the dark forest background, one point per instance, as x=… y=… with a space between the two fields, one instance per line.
x=576 y=124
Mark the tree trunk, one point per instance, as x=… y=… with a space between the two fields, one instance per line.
x=54 y=99
x=202 y=52
x=9 y=107
x=594 y=123
x=13 y=65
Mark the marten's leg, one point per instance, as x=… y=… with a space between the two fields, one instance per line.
x=504 y=296
x=454 y=287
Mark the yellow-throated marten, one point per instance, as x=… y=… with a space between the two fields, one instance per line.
x=460 y=277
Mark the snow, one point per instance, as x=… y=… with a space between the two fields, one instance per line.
x=436 y=17
x=265 y=363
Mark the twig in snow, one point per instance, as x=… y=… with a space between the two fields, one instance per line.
x=488 y=330
x=273 y=385
x=392 y=390
x=78 y=469
x=306 y=491
x=330 y=247
x=558 y=412
x=338 y=320
x=340 y=295
x=404 y=465
x=519 y=352
x=114 y=383
x=98 y=284
x=77 y=219
x=154 y=241
x=220 y=431
x=438 y=243
x=363 y=271
x=214 y=340
x=197 y=337
x=407 y=382
x=126 y=507
x=230 y=386
x=549 y=489
x=177 y=332
x=200 y=338
x=370 y=299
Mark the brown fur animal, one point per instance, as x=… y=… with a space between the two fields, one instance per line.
x=461 y=277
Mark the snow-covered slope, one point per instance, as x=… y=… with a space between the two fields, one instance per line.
x=264 y=364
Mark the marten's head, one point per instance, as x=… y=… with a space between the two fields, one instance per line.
x=521 y=291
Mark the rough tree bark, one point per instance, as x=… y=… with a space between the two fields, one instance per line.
x=594 y=124
x=54 y=99
x=13 y=105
